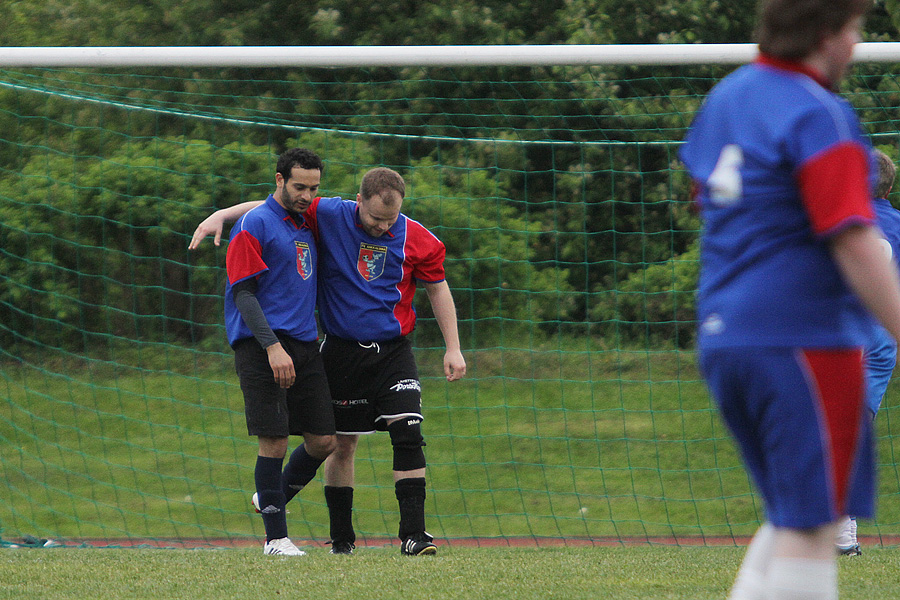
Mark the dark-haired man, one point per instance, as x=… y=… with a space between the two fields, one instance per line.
x=270 y=300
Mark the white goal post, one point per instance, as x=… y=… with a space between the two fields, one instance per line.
x=400 y=56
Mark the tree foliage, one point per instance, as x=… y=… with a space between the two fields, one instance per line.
x=548 y=184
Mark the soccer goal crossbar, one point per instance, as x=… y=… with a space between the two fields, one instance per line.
x=393 y=56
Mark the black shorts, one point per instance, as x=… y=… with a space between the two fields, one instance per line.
x=274 y=411
x=371 y=383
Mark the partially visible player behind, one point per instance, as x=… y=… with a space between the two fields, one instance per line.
x=881 y=353
x=790 y=263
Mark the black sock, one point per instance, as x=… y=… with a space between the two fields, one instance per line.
x=300 y=470
x=271 y=498
x=340 y=513
x=411 y=498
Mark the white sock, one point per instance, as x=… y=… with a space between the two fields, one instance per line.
x=750 y=581
x=847 y=534
x=801 y=579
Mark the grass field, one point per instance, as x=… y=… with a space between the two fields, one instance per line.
x=618 y=573
x=545 y=439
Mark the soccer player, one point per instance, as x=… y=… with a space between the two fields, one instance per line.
x=880 y=355
x=790 y=263
x=270 y=299
x=371 y=256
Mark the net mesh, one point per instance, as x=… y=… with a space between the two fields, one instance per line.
x=571 y=256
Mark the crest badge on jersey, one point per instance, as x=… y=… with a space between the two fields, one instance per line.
x=304 y=260
x=370 y=263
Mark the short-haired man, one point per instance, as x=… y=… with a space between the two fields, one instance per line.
x=790 y=263
x=270 y=300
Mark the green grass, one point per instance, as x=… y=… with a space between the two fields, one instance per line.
x=622 y=573
x=541 y=439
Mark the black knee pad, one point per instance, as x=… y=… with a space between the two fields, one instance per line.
x=407 y=440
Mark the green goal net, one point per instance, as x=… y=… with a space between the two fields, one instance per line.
x=571 y=257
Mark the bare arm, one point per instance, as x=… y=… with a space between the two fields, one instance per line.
x=870 y=273
x=213 y=224
x=445 y=313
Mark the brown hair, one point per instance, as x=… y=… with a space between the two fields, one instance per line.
x=380 y=180
x=886 y=172
x=792 y=29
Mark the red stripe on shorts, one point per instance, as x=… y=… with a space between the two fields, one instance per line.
x=839 y=381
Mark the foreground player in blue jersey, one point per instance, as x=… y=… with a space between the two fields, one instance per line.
x=371 y=256
x=270 y=300
x=880 y=355
x=790 y=263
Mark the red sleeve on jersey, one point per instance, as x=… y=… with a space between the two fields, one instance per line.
x=311 y=216
x=244 y=258
x=426 y=253
x=834 y=186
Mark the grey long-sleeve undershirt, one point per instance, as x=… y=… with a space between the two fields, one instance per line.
x=245 y=301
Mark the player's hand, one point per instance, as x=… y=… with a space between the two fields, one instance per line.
x=454 y=365
x=211 y=225
x=282 y=365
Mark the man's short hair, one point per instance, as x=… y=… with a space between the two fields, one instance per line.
x=380 y=180
x=886 y=172
x=793 y=29
x=297 y=157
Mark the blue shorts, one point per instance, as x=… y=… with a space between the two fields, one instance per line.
x=801 y=424
x=880 y=357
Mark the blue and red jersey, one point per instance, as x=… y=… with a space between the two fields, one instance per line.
x=881 y=351
x=780 y=164
x=888 y=219
x=367 y=284
x=267 y=243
